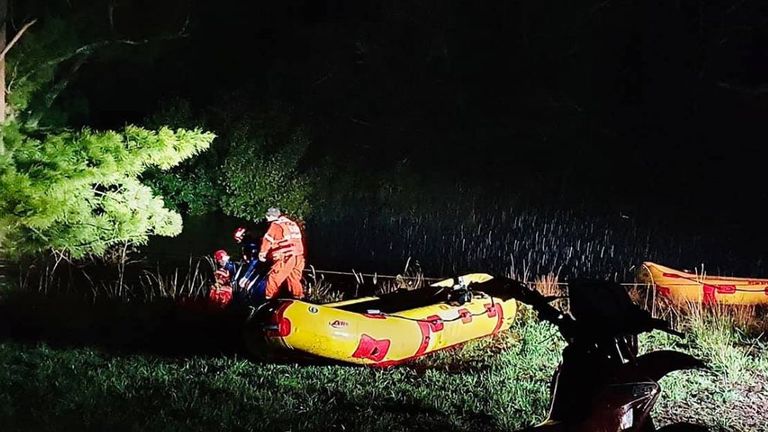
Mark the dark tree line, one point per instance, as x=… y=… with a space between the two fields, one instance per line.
x=604 y=103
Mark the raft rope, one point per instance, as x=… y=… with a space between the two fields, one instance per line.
x=441 y=320
x=372 y=275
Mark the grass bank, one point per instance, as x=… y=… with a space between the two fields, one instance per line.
x=116 y=362
x=733 y=394
x=492 y=384
x=88 y=389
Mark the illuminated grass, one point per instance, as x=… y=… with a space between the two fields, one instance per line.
x=491 y=384
x=732 y=394
x=85 y=389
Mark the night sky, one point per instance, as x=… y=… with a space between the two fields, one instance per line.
x=654 y=109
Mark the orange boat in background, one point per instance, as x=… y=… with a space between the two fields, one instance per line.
x=682 y=286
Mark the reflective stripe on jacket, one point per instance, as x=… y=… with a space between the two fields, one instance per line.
x=283 y=239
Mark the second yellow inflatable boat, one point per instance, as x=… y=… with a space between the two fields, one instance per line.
x=682 y=286
x=389 y=329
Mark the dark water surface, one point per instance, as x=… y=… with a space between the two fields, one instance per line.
x=518 y=242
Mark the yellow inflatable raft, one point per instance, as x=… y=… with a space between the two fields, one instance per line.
x=391 y=328
x=682 y=286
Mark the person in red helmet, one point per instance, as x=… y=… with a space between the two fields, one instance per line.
x=220 y=294
x=284 y=246
x=225 y=265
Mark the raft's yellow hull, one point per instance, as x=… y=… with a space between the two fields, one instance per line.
x=681 y=287
x=348 y=332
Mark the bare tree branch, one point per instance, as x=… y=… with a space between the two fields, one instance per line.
x=91 y=47
x=16 y=39
x=83 y=52
x=63 y=83
x=752 y=91
x=111 y=16
x=358 y=121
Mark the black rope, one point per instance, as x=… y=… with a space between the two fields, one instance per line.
x=434 y=321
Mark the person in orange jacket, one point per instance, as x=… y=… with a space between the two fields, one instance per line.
x=284 y=246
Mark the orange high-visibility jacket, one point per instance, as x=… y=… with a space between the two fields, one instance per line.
x=283 y=239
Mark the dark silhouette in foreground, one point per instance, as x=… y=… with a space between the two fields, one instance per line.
x=602 y=384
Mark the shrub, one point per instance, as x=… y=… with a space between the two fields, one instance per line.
x=192 y=187
x=257 y=177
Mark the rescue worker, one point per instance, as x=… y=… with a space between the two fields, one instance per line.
x=220 y=294
x=251 y=280
x=249 y=250
x=284 y=246
x=225 y=265
x=246 y=240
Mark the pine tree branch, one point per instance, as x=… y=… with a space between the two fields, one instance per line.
x=16 y=39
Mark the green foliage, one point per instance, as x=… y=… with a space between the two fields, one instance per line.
x=254 y=163
x=191 y=190
x=193 y=186
x=257 y=177
x=77 y=193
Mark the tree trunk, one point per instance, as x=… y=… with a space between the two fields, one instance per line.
x=3 y=26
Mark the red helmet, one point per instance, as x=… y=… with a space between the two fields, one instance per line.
x=220 y=254
x=239 y=234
